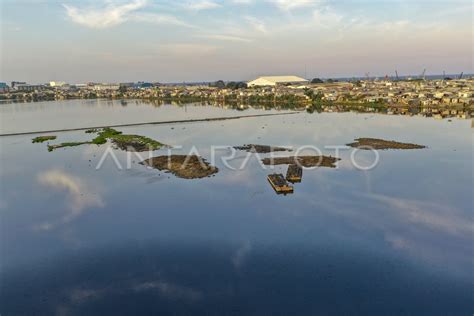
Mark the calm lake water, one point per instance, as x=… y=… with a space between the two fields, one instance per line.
x=77 y=240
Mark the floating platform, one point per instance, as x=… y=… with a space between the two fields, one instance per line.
x=294 y=174
x=279 y=184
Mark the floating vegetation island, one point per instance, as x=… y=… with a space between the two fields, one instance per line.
x=261 y=149
x=183 y=166
x=42 y=139
x=374 y=143
x=122 y=141
x=304 y=161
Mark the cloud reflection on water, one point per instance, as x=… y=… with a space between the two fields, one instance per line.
x=80 y=196
x=436 y=234
x=169 y=290
x=440 y=218
x=241 y=254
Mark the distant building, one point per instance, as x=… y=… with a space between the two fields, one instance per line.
x=14 y=83
x=3 y=87
x=28 y=87
x=276 y=80
x=144 y=85
x=106 y=87
x=127 y=84
x=56 y=83
x=81 y=85
x=136 y=85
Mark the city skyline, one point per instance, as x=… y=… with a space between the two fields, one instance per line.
x=119 y=41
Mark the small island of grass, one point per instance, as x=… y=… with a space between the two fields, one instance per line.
x=122 y=141
x=92 y=131
x=67 y=144
x=303 y=161
x=374 y=143
x=135 y=143
x=261 y=149
x=42 y=139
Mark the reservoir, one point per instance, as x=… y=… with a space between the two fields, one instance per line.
x=88 y=230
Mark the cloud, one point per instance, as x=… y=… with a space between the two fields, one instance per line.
x=111 y=15
x=327 y=18
x=11 y=26
x=257 y=24
x=80 y=295
x=239 y=257
x=114 y=14
x=201 y=5
x=288 y=5
x=169 y=290
x=79 y=195
x=437 y=217
x=228 y=38
x=243 y=1
x=160 y=19
x=397 y=242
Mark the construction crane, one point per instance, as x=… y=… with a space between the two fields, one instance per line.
x=367 y=75
x=460 y=76
x=423 y=74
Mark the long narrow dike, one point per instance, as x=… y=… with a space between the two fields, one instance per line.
x=148 y=123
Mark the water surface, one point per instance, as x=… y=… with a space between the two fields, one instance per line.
x=80 y=241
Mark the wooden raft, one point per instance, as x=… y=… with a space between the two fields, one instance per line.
x=279 y=184
x=294 y=174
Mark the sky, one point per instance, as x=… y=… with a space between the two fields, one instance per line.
x=207 y=40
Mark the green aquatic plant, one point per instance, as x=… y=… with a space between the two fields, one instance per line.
x=104 y=134
x=42 y=139
x=67 y=144
x=92 y=131
x=124 y=142
x=135 y=142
